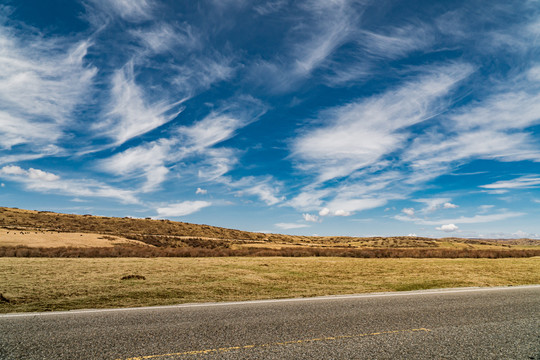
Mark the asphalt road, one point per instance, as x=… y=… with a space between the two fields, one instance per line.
x=492 y=323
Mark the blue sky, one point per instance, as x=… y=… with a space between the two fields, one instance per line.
x=327 y=117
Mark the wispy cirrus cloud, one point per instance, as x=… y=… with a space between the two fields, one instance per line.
x=130 y=10
x=289 y=226
x=341 y=206
x=320 y=29
x=397 y=42
x=163 y=37
x=181 y=209
x=195 y=144
x=433 y=204
x=372 y=49
x=523 y=182
x=327 y=26
x=361 y=133
x=477 y=219
x=270 y=7
x=217 y=127
x=42 y=82
x=494 y=128
x=200 y=72
x=129 y=112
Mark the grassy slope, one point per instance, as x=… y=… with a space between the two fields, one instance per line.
x=63 y=284
x=179 y=234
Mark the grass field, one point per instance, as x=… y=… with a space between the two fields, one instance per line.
x=44 y=284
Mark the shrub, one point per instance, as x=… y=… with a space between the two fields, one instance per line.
x=133 y=277
x=145 y=252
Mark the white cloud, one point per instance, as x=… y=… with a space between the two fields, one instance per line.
x=432 y=204
x=450 y=206
x=371 y=47
x=191 y=77
x=493 y=128
x=130 y=10
x=324 y=212
x=270 y=7
x=321 y=28
x=41 y=84
x=194 y=144
x=36 y=174
x=361 y=133
x=521 y=234
x=496 y=192
x=477 y=219
x=506 y=235
x=326 y=25
x=308 y=199
x=534 y=74
x=265 y=192
x=2 y=185
x=45 y=182
x=524 y=182
x=332 y=29
x=15 y=158
x=146 y=160
x=31 y=174
x=163 y=37
x=213 y=129
x=182 y=209
x=310 y=217
x=129 y=113
x=485 y=208
x=201 y=191
x=221 y=124
x=288 y=226
x=397 y=42
x=341 y=206
x=408 y=211
x=341 y=212
x=217 y=162
x=448 y=228
x=13 y=170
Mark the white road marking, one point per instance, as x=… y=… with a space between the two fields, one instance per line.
x=271 y=301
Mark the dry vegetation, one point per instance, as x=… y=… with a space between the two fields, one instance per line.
x=151 y=265
x=54 y=239
x=28 y=233
x=32 y=284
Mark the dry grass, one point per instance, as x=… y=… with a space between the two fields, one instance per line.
x=165 y=233
x=52 y=239
x=62 y=284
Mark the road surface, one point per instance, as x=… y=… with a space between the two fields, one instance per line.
x=469 y=323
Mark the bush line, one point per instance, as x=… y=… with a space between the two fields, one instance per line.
x=146 y=252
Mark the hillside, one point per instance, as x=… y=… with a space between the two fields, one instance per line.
x=178 y=234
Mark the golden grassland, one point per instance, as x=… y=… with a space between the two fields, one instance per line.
x=44 y=284
x=50 y=239
x=45 y=229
